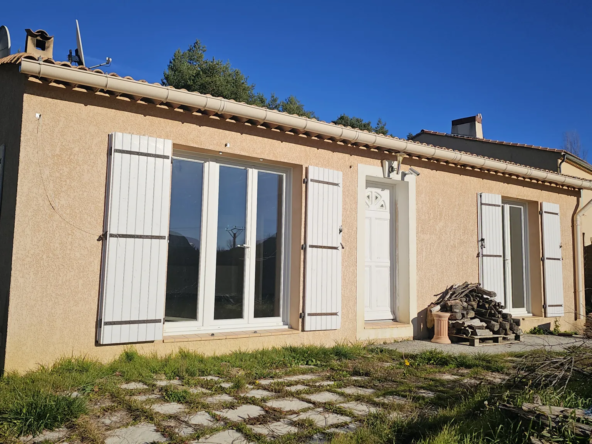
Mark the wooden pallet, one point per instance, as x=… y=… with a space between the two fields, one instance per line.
x=477 y=341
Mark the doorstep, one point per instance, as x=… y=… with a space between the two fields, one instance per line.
x=384 y=324
x=229 y=335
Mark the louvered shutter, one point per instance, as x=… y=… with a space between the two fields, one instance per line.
x=552 y=260
x=135 y=248
x=491 y=244
x=322 y=303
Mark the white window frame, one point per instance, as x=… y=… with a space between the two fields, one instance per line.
x=527 y=310
x=205 y=322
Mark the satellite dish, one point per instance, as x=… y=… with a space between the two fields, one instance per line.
x=4 y=42
x=79 y=51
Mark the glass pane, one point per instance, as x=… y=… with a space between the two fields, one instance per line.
x=230 y=256
x=517 y=257
x=184 y=242
x=268 y=263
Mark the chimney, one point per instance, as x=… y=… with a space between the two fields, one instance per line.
x=469 y=126
x=39 y=43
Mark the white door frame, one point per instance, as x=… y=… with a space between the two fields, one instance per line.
x=375 y=316
x=526 y=311
x=205 y=317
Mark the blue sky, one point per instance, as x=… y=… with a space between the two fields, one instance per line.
x=526 y=66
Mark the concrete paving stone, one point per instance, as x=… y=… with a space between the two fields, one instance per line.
x=319 y=438
x=162 y=383
x=46 y=436
x=210 y=378
x=266 y=381
x=356 y=391
x=226 y=384
x=446 y=377
x=179 y=428
x=199 y=390
x=168 y=408
x=257 y=393
x=219 y=398
x=133 y=386
x=288 y=404
x=138 y=434
x=275 y=429
x=115 y=419
x=321 y=418
x=359 y=408
x=145 y=397
x=425 y=393
x=359 y=378
x=496 y=378
x=225 y=437
x=201 y=419
x=324 y=397
x=470 y=382
x=323 y=383
x=241 y=413
x=393 y=399
x=349 y=428
x=297 y=388
x=300 y=378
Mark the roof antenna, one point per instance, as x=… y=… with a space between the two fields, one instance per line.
x=78 y=56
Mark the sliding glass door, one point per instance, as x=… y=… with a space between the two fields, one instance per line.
x=233 y=277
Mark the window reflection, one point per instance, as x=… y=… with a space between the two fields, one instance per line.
x=230 y=249
x=184 y=241
x=268 y=254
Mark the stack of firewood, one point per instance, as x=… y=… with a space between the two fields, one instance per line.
x=474 y=312
x=588 y=328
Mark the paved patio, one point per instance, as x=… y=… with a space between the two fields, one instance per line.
x=528 y=343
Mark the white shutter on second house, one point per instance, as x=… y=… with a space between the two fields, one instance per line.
x=135 y=247
x=491 y=244
x=552 y=260
x=322 y=303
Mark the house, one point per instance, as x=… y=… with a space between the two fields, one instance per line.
x=135 y=214
x=467 y=136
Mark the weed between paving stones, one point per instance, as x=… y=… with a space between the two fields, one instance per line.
x=457 y=410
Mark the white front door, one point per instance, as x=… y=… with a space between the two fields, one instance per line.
x=379 y=253
x=516 y=276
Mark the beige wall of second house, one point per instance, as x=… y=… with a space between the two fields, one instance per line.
x=56 y=263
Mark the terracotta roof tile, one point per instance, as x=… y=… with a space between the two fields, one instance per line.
x=17 y=58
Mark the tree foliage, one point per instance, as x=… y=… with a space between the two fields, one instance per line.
x=573 y=145
x=192 y=71
x=357 y=122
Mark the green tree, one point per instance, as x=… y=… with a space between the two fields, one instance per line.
x=192 y=71
x=410 y=136
x=357 y=122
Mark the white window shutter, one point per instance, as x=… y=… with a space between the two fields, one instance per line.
x=322 y=293
x=491 y=244
x=552 y=260
x=135 y=247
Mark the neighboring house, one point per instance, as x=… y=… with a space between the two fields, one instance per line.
x=138 y=214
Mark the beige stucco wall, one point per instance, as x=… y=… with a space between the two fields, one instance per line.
x=57 y=259
x=573 y=170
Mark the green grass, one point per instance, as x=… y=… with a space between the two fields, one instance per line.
x=41 y=399
x=38 y=410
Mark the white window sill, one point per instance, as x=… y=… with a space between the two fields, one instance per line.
x=384 y=324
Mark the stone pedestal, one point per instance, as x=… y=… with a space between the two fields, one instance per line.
x=441 y=328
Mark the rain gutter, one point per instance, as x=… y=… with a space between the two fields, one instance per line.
x=282 y=120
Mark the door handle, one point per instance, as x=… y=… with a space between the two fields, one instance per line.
x=243 y=246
